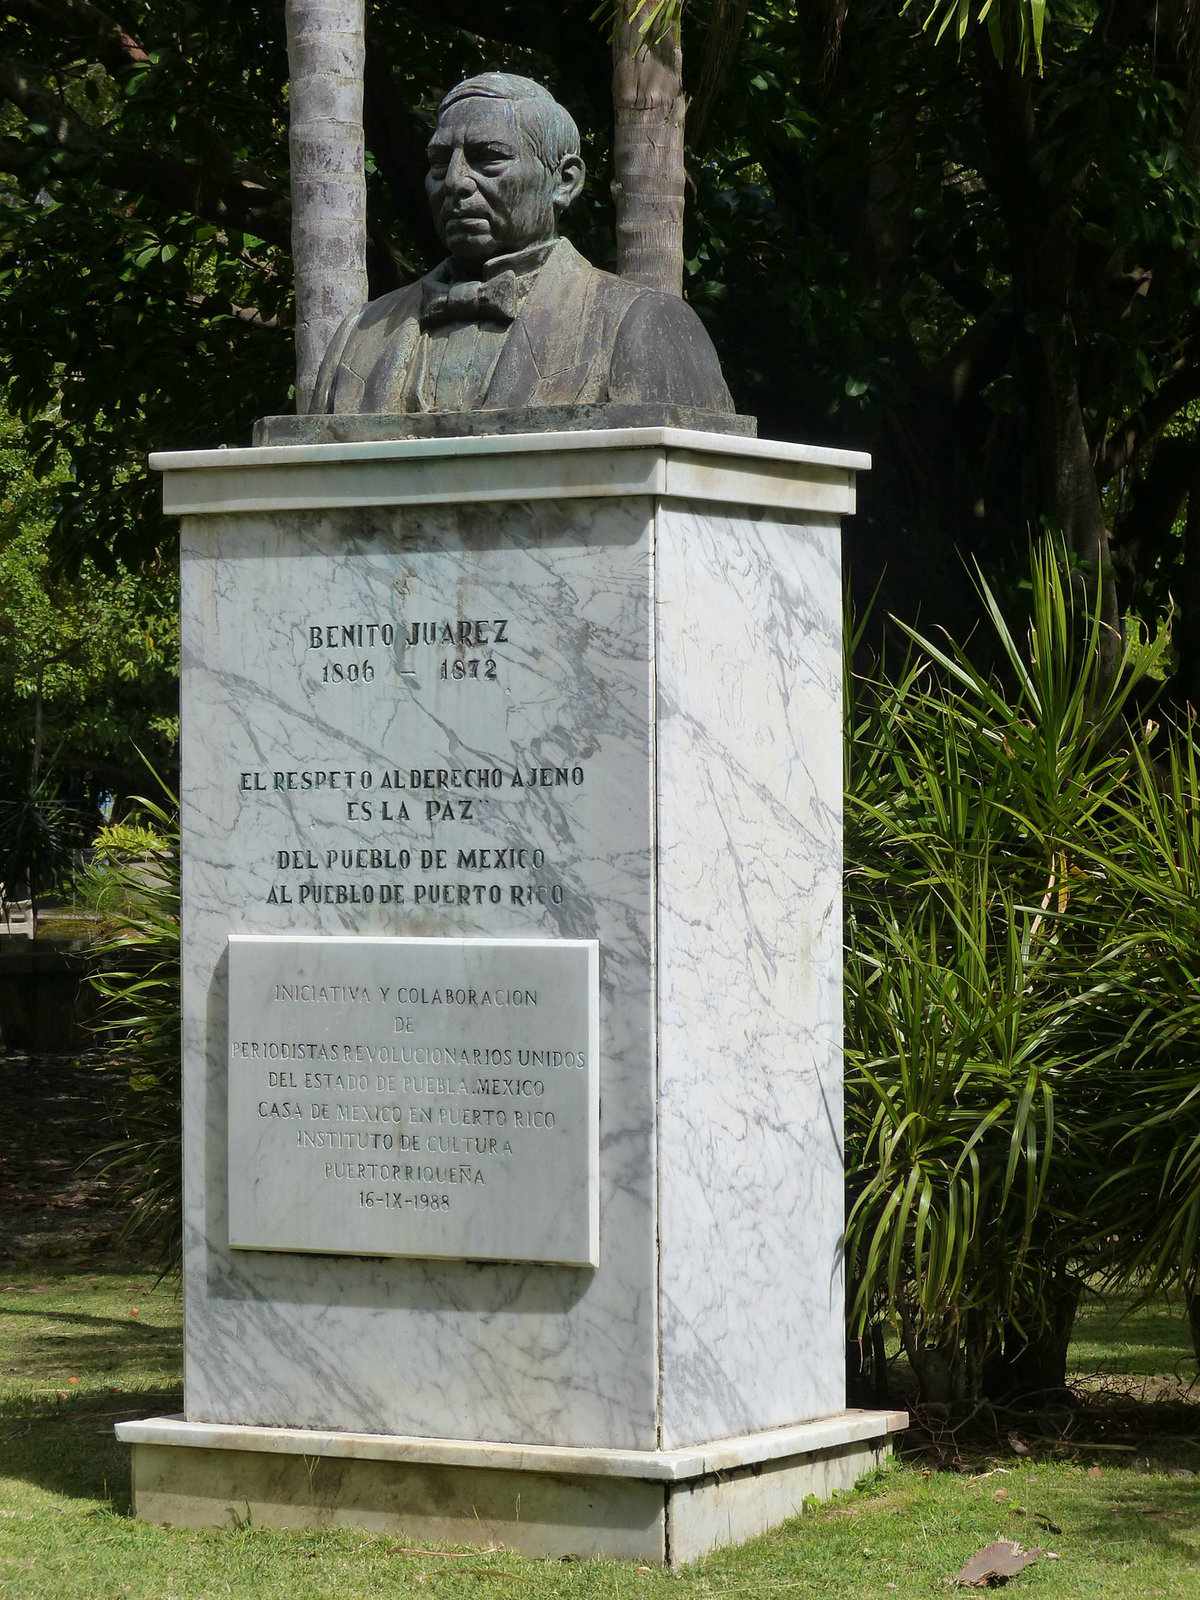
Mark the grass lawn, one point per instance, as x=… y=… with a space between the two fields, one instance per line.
x=81 y=1349
x=1138 y=1349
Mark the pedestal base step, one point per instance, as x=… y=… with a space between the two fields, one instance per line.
x=667 y=1506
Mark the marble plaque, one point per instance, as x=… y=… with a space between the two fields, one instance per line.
x=415 y=1097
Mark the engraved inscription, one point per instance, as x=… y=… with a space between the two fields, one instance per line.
x=448 y=1084
x=427 y=795
x=430 y=835
x=336 y=640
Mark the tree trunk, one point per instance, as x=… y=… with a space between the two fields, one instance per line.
x=648 y=114
x=867 y=1367
x=1042 y=224
x=1192 y=1302
x=722 y=36
x=1186 y=630
x=325 y=140
x=1032 y=1366
x=35 y=769
x=1068 y=482
x=938 y=1361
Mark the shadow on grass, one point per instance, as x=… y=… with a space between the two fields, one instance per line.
x=68 y=1448
x=46 y=1343
x=57 y=1437
x=1139 y=1511
x=1130 y=1360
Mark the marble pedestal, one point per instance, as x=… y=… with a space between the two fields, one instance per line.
x=560 y=715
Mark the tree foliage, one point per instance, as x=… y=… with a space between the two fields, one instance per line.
x=88 y=668
x=973 y=255
x=88 y=663
x=141 y=244
x=961 y=235
x=144 y=220
x=983 y=273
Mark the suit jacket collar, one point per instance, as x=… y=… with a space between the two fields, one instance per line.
x=520 y=262
x=550 y=340
x=550 y=335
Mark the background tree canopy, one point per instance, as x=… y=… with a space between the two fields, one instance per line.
x=974 y=255
x=984 y=273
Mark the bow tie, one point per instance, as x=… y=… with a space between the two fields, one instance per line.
x=490 y=299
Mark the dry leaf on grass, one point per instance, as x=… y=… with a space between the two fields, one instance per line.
x=996 y=1563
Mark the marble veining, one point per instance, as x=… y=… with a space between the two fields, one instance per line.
x=673 y=668
x=748 y=669
x=447 y=1348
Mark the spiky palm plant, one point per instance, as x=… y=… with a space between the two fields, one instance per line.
x=1143 y=1059
x=978 y=912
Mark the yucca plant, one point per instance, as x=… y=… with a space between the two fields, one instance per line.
x=1143 y=1046
x=952 y=1131
x=976 y=909
x=137 y=978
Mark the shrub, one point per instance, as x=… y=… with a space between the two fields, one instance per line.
x=134 y=882
x=1006 y=889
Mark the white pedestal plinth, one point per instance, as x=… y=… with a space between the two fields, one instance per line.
x=551 y=688
x=669 y=1507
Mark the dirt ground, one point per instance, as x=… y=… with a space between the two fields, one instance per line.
x=55 y=1200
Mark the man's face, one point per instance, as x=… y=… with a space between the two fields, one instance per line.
x=488 y=189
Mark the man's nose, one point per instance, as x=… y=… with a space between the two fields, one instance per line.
x=458 y=177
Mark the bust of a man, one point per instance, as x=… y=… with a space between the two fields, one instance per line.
x=514 y=316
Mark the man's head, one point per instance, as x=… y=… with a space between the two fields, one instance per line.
x=504 y=163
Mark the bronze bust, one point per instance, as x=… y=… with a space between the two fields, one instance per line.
x=515 y=316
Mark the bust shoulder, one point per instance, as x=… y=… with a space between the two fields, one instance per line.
x=395 y=306
x=662 y=352
x=656 y=346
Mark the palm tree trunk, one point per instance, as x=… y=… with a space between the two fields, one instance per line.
x=325 y=56
x=1041 y=219
x=649 y=106
x=1186 y=631
x=35 y=770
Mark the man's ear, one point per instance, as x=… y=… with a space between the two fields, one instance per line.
x=568 y=182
